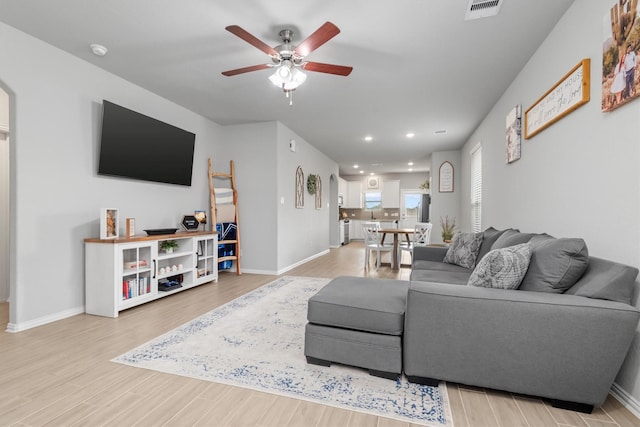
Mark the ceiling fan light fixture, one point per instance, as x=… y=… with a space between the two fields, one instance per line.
x=288 y=77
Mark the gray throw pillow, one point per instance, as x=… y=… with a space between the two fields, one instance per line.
x=489 y=237
x=511 y=237
x=464 y=249
x=556 y=264
x=502 y=268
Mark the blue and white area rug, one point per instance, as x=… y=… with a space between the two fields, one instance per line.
x=257 y=342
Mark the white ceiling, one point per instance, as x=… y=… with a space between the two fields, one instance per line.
x=418 y=65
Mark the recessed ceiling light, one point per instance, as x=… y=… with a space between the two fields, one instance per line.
x=441 y=131
x=98 y=49
x=410 y=164
x=368 y=138
x=411 y=135
x=371 y=173
x=410 y=169
x=356 y=166
x=361 y=171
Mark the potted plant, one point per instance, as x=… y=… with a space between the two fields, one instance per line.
x=168 y=246
x=448 y=227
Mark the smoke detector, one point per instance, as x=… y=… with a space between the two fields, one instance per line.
x=98 y=49
x=482 y=9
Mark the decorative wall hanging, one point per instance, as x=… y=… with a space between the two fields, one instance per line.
x=299 y=188
x=445 y=178
x=373 y=182
x=621 y=45
x=312 y=183
x=571 y=92
x=318 y=192
x=514 y=133
x=109 y=223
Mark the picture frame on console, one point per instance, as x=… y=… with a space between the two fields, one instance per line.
x=109 y=223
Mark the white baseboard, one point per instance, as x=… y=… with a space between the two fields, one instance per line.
x=23 y=326
x=284 y=270
x=626 y=399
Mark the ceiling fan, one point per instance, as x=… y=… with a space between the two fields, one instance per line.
x=289 y=60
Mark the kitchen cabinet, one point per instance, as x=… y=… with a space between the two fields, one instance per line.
x=354 y=195
x=391 y=194
x=342 y=187
x=355 y=229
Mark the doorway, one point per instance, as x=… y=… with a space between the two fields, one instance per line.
x=4 y=205
x=409 y=207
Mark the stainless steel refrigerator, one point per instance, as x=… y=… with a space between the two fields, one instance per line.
x=423 y=209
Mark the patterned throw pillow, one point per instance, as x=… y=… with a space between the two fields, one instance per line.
x=502 y=268
x=464 y=249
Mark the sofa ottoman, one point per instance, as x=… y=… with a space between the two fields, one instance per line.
x=358 y=321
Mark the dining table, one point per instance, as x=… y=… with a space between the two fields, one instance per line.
x=396 y=232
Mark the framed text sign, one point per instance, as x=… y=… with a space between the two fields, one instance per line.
x=568 y=94
x=445 y=178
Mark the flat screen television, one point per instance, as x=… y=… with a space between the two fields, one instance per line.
x=136 y=146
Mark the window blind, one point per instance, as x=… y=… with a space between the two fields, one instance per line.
x=476 y=189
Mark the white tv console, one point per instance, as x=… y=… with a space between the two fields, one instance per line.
x=126 y=272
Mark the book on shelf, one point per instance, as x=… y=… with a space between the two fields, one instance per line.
x=136 y=287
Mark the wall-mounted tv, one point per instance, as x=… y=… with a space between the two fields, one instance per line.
x=136 y=146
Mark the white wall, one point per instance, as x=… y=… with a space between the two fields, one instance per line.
x=57 y=194
x=252 y=147
x=446 y=204
x=276 y=236
x=302 y=233
x=578 y=178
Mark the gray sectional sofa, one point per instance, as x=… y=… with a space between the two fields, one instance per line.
x=561 y=332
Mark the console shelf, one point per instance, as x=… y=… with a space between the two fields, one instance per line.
x=123 y=273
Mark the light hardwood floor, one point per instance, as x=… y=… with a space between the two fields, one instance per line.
x=60 y=374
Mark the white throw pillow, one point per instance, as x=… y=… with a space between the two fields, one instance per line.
x=502 y=268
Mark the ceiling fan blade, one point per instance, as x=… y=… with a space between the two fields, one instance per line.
x=245 y=70
x=322 y=35
x=252 y=40
x=339 y=70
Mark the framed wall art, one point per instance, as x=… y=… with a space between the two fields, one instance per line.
x=570 y=93
x=620 y=48
x=514 y=134
x=373 y=183
x=445 y=178
x=299 y=188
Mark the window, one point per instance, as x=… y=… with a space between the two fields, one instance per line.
x=476 y=189
x=373 y=200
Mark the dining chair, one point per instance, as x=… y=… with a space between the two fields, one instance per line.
x=373 y=242
x=421 y=237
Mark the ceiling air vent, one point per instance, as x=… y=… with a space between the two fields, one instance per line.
x=482 y=9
